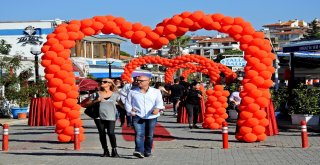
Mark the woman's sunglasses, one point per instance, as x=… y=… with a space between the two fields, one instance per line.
x=104 y=82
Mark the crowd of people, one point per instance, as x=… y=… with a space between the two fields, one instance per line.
x=139 y=104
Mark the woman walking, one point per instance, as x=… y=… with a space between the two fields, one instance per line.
x=192 y=101
x=107 y=98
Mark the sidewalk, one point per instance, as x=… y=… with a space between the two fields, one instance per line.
x=38 y=145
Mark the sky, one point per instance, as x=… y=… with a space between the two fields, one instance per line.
x=150 y=12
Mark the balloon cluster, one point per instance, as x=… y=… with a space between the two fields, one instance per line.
x=61 y=81
x=259 y=69
x=257 y=81
x=216 y=105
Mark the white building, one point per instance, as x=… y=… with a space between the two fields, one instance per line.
x=22 y=35
x=281 y=33
x=212 y=46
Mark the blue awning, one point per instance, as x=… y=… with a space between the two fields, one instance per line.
x=301 y=54
x=106 y=75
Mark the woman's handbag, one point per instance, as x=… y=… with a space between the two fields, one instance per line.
x=93 y=110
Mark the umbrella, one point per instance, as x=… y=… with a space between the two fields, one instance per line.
x=86 y=84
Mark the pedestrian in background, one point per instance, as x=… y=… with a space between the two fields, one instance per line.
x=192 y=101
x=144 y=104
x=176 y=93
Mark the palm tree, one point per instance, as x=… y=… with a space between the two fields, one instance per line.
x=175 y=48
x=176 y=45
x=4 y=47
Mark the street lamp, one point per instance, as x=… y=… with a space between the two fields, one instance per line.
x=36 y=50
x=109 y=62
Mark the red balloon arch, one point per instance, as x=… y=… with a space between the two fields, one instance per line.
x=257 y=81
x=227 y=71
x=194 y=69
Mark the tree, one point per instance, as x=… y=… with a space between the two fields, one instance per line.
x=4 y=47
x=176 y=45
x=227 y=52
x=123 y=53
x=313 y=33
x=17 y=88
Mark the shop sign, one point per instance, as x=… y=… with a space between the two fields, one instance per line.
x=234 y=61
x=30 y=37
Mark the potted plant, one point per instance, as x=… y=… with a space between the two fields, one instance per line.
x=305 y=105
x=17 y=90
x=279 y=99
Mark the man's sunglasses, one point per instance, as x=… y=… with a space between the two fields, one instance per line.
x=104 y=82
x=141 y=81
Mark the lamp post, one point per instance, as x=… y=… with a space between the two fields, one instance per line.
x=36 y=50
x=109 y=65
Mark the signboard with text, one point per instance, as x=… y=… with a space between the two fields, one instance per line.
x=234 y=62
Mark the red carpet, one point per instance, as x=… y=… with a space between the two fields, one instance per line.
x=168 y=106
x=160 y=134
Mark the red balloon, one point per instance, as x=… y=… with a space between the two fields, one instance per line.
x=197 y=15
x=68 y=131
x=264 y=122
x=245 y=115
x=55 y=82
x=258 y=129
x=60 y=29
x=62 y=36
x=217 y=17
x=70 y=102
x=262 y=102
x=64 y=138
x=261 y=137
x=52 y=69
x=58 y=61
x=137 y=26
x=245 y=130
x=63 y=123
x=227 y=20
x=260 y=114
x=186 y=22
x=73 y=94
x=252 y=122
x=74 y=114
x=250 y=137
x=59 y=115
x=59 y=96
x=46 y=63
x=169 y=29
x=266 y=74
x=86 y=23
x=73 y=27
x=247 y=100
x=88 y=31
x=57 y=48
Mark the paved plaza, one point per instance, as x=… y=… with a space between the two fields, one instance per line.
x=38 y=145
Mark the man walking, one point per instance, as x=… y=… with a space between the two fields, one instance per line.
x=144 y=104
